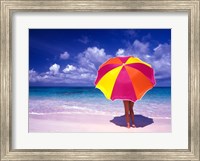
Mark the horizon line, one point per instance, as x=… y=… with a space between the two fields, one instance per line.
x=90 y=86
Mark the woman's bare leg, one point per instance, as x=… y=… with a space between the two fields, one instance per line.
x=131 y=104
x=126 y=108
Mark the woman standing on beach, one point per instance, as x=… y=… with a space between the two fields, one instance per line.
x=128 y=107
x=127 y=78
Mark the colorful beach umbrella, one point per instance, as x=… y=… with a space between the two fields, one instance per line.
x=126 y=78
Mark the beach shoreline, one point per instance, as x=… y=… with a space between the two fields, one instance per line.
x=82 y=122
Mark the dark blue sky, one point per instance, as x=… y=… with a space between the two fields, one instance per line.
x=68 y=57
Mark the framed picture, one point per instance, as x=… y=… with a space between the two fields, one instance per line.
x=54 y=54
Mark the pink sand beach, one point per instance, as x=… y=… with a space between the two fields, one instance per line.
x=61 y=123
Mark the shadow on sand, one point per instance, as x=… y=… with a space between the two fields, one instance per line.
x=140 y=121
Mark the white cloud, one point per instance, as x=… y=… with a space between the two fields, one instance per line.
x=120 y=52
x=35 y=77
x=83 y=70
x=85 y=75
x=140 y=48
x=89 y=62
x=32 y=75
x=161 y=61
x=137 y=49
x=92 y=58
x=131 y=33
x=64 y=55
x=162 y=50
x=54 y=69
x=32 y=72
x=84 y=39
x=69 y=68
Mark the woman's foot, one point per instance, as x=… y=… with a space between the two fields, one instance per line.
x=128 y=125
x=133 y=125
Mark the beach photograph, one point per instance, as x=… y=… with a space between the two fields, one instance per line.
x=99 y=80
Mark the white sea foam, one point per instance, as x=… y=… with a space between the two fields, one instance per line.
x=151 y=108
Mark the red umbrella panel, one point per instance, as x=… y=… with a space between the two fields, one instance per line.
x=126 y=78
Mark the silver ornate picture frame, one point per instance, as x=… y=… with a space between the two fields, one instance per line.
x=9 y=7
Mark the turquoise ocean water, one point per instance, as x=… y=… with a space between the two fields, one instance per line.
x=89 y=100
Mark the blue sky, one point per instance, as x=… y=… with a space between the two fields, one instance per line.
x=71 y=57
